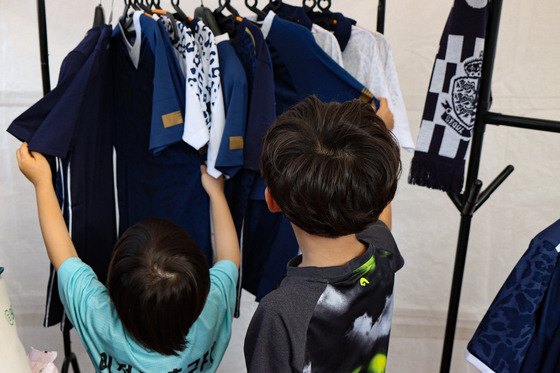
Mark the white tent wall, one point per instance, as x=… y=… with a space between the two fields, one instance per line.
x=425 y=222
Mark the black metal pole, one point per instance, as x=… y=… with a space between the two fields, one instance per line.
x=43 y=46
x=522 y=122
x=69 y=356
x=381 y=16
x=490 y=42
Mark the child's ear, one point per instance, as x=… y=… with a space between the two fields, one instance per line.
x=271 y=202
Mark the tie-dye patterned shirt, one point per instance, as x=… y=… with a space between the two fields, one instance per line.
x=333 y=319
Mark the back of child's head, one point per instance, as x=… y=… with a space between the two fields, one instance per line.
x=331 y=167
x=158 y=282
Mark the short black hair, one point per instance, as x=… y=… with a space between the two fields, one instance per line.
x=331 y=167
x=158 y=282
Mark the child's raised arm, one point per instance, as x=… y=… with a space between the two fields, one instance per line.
x=55 y=233
x=227 y=242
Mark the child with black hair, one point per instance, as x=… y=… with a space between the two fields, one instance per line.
x=332 y=170
x=163 y=309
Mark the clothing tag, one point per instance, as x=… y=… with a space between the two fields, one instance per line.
x=366 y=95
x=235 y=142
x=172 y=119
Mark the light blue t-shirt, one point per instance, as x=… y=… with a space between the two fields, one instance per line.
x=111 y=348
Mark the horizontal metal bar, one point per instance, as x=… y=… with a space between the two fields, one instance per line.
x=521 y=122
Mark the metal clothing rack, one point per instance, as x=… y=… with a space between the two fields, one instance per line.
x=472 y=198
x=69 y=356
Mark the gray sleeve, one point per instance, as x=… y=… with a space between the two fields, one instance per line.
x=267 y=343
x=381 y=237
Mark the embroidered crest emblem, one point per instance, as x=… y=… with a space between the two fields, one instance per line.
x=460 y=114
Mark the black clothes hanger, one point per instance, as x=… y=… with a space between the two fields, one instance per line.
x=124 y=20
x=179 y=12
x=98 y=16
x=226 y=22
x=145 y=7
x=274 y=5
x=326 y=7
x=260 y=14
x=308 y=8
x=206 y=15
x=227 y=5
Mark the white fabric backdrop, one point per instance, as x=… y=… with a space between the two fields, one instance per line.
x=425 y=222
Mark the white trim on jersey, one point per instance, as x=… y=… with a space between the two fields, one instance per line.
x=477 y=363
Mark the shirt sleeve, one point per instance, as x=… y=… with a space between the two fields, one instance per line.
x=381 y=237
x=223 y=276
x=267 y=342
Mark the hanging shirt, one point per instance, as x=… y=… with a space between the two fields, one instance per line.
x=166 y=185
x=327 y=41
x=251 y=49
x=369 y=59
x=340 y=25
x=196 y=111
x=167 y=120
x=72 y=122
x=301 y=68
x=212 y=96
x=519 y=332
x=234 y=87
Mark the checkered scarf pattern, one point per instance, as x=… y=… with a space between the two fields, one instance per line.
x=450 y=107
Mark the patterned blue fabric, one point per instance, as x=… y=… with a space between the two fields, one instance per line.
x=543 y=355
x=505 y=334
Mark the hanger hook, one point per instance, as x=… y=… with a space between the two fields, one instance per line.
x=313 y=3
x=326 y=7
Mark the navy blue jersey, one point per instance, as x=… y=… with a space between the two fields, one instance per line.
x=234 y=86
x=72 y=122
x=301 y=68
x=251 y=48
x=168 y=105
x=519 y=331
x=166 y=184
x=262 y=110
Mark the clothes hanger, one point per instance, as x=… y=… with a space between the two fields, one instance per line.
x=326 y=20
x=144 y=7
x=308 y=8
x=227 y=5
x=206 y=15
x=164 y=13
x=99 y=16
x=327 y=7
x=124 y=20
x=254 y=9
x=274 y=5
x=226 y=23
x=179 y=12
